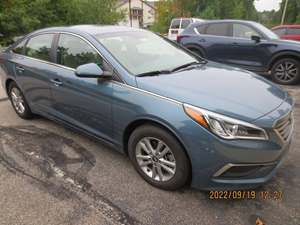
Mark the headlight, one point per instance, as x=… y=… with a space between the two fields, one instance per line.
x=223 y=126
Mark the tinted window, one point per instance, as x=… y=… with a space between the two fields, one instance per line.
x=279 y=31
x=243 y=31
x=39 y=47
x=175 y=24
x=218 y=29
x=19 y=48
x=185 y=23
x=73 y=51
x=201 y=29
x=294 y=31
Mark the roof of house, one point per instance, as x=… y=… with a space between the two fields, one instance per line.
x=149 y=3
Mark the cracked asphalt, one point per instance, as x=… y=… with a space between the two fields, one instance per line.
x=52 y=175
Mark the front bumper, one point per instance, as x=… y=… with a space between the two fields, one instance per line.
x=219 y=164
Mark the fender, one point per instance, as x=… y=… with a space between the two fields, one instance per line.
x=282 y=54
x=197 y=47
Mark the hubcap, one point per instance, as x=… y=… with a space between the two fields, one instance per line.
x=286 y=71
x=155 y=159
x=17 y=100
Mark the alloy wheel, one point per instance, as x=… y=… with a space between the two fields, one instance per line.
x=155 y=159
x=286 y=71
x=17 y=100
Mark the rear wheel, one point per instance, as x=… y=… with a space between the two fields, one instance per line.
x=19 y=102
x=286 y=71
x=197 y=52
x=159 y=157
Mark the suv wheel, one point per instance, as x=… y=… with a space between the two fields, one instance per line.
x=19 y=102
x=286 y=71
x=159 y=157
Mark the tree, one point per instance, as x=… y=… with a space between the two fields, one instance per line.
x=18 y=17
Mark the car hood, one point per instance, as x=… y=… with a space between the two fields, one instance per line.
x=222 y=89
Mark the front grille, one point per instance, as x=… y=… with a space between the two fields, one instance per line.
x=284 y=126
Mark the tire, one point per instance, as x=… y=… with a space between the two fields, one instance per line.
x=286 y=71
x=19 y=102
x=155 y=165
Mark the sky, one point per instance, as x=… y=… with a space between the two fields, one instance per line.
x=262 y=5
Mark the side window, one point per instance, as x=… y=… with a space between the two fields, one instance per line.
x=201 y=29
x=19 y=48
x=243 y=31
x=73 y=51
x=185 y=23
x=175 y=24
x=279 y=31
x=218 y=29
x=294 y=31
x=39 y=47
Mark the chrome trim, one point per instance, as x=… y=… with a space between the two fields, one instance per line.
x=230 y=165
x=148 y=92
x=206 y=113
x=278 y=133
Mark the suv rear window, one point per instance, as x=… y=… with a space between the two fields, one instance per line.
x=294 y=31
x=218 y=29
x=175 y=24
x=185 y=23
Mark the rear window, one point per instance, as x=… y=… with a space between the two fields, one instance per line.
x=294 y=31
x=218 y=29
x=279 y=31
x=185 y=23
x=175 y=24
x=19 y=48
x=201 y=29
x=39 y=47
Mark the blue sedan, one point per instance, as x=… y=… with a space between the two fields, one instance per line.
x=182 y=120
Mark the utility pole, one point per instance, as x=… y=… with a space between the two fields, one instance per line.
x=284 y=12
x=130 y=17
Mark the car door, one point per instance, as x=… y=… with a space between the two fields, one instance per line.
x=245 y=52
x=214 y=39
x=33 y=68
x=82 y=102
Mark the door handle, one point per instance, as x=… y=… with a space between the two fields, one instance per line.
x=202 y=40
x=56 y=82
x=20 y=68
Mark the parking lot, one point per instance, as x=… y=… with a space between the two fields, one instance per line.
x=51 y=175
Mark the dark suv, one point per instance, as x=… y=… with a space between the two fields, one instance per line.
x=245 y=44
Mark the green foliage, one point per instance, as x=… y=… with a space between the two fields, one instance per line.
x=18 y=17
x=205 y=9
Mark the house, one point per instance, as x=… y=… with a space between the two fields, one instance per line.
x=142 y=13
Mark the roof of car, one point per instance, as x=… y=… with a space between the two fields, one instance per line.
x=226 y=21
x=91 y=29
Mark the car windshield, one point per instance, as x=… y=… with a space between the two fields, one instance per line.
x=143 y=52
x=270 y=34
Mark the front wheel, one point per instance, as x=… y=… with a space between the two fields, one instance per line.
x=286 y=71
x=159 y=157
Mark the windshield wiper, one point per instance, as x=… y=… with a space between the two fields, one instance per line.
x=188 y=65
x=154 y=73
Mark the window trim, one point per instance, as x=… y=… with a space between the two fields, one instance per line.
x=54 y=49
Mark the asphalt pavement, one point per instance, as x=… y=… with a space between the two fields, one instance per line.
x=52 y=175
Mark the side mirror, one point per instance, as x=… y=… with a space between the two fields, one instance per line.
x=255 y=38
x=91 y=70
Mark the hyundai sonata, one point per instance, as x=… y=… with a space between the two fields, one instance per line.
x=182 y=120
